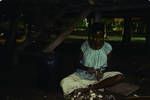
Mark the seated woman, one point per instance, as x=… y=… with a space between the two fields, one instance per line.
x=91 y=71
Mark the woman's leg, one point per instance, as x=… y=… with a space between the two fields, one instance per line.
x=74 y=83
x=109 y=79
x=108 y=82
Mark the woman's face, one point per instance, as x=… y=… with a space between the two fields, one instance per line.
x=96 y=40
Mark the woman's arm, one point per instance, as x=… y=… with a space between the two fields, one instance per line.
x=79 y=57
x=108 y=57
x=81 y=66
x=108 y=62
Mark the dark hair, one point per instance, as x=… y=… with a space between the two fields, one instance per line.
x=96 y=27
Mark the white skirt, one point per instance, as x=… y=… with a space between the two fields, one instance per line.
x=74 y=81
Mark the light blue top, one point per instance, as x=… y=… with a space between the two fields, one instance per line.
x=96 y=59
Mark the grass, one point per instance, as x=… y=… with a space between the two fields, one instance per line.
x=108 y=38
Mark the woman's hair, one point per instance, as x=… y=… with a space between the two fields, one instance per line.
x=96 y=27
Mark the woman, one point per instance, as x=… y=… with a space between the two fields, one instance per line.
x=91 y=71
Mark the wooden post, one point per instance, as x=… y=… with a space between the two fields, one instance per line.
x=148 y=32
x=127 y=31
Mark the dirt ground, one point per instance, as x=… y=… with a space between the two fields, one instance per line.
x=31 y=79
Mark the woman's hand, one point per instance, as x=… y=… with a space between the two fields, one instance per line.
x=91 y=70
x=98 y=74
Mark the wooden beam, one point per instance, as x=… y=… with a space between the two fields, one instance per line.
x=64 y=34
